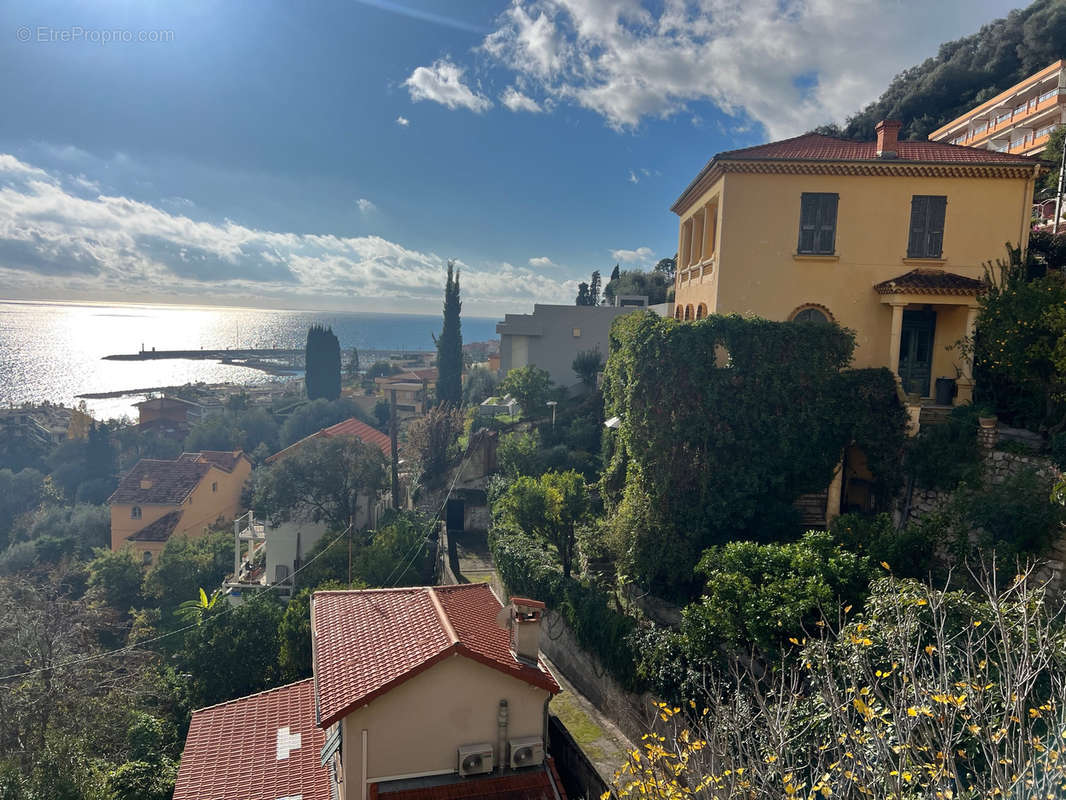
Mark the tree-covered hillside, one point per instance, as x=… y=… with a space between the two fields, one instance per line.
x=966 y=72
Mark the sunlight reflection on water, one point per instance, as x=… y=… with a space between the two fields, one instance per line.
x=53 y=351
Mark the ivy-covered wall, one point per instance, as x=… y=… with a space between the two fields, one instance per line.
x=724 y=423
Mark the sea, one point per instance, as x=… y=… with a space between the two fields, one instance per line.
x=53 y=351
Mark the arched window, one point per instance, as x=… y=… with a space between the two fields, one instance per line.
x=135 y=512
x=701 y=311
x=688 y=313
x=811 y=313
x=678 y=312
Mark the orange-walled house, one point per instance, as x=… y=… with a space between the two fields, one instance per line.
x=423 y=693
x=185 y=497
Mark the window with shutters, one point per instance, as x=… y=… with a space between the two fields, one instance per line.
x=818 y=224
x=927 y=226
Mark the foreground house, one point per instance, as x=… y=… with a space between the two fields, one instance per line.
x=185 y=497
x=418 y=694
x=885 y=237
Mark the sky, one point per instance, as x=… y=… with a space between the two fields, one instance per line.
x=335 y=155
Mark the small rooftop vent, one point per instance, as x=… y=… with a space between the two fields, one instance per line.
x=146 y=483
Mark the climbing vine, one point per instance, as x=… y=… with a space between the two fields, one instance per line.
x=723 y=423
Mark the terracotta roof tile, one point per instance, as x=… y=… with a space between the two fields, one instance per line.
x=931 y=281
x=349 y=427
x=366 y=642
x=160 y=530
x=170 y=482
x=360 y=430
x=816 y=147
x=261 y=747
x=531 y=785
x=223 y=459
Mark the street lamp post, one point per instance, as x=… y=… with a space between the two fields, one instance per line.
x=553 y=404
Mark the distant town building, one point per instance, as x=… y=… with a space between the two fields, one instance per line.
x=413 y=387
x=158 y=499
x=426 y=693
x=168 y=416
x=552 y=336
x=1017 y=121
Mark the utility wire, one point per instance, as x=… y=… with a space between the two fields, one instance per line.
x=161 y=637
x=422 y=540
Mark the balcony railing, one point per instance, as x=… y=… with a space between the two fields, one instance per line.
x=1004 y=120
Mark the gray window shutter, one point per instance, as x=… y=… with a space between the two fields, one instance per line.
x=827 y=224
x=937 y=210
x=927 y=226
x=808 y=223
x=818 y=220
x=919 y=211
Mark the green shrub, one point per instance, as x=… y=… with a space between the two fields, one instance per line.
x=909 y=552
x=1017 y=517
x=527 y=569
x=943 y=456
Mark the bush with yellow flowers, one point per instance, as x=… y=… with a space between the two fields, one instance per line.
x=928 y=693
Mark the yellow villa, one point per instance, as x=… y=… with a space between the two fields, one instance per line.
x=158 y=499
x=887 y=238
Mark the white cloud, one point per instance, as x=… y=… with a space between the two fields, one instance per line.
x=516 y=101
x=789 y=64
x=443 y=83
x=54 y=237
x=365 y=206
x=641 y=254
x=542 y=262
x=403 y=122
x=633 y=177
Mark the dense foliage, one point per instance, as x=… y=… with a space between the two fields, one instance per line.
x=530 y=386
x=450 y=345
x=968 y=71
x=322 y=364
x=656 y=285
x=724 y=423
x=1019 y=355
x=550 y=508
x=926 y=693
x=432 y=441
x=325 y=480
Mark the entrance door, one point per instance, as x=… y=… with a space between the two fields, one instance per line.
x=454 y=514
x=916 y=351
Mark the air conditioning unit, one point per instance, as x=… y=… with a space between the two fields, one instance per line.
x=526 y=752
x=475 y=759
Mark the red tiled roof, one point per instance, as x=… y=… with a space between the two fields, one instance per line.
x=159 y=530
x=349 y=427
x=223 y=459
x=931 y=281
x=816 y=147
x=171 y=482
x=367 y=642
x=247 y=749
x=360 y=430
x=532 y=785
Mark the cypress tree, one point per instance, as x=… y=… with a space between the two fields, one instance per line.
x=322 y=364
x=615 y=274
x=594 y=288
x=450 y=345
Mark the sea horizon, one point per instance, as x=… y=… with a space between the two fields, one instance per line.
x=54 y=350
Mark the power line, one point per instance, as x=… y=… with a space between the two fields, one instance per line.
x=412 y=554
x=161 y=637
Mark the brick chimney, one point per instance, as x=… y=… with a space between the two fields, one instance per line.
x=888 y=137
x=525 y=628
